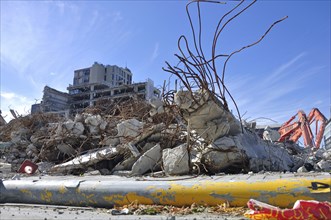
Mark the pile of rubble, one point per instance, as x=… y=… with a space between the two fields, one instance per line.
x=135 y=137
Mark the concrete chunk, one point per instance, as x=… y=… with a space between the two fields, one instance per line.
x=95 y=123
x=85 y=160
x=133 y=149
x=208 y=118
x=176 y=160
x=270 y=135
x=129 y=128
x=147 y=161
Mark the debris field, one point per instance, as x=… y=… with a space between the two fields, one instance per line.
x=134 y=138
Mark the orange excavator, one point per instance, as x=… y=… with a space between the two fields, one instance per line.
x=292 y=131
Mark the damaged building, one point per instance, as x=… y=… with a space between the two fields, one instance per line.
x=327 y=135
x=92 y=84
x=53 y=101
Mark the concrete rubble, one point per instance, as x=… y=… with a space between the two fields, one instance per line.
x=202 y=137
x=147 y=161
x=176 y=160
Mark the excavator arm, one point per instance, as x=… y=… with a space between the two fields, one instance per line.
x=320 y=122
x=292 y=131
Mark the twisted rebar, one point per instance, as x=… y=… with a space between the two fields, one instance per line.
x=199 y=72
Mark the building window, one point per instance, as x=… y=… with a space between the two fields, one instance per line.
x=105 y=78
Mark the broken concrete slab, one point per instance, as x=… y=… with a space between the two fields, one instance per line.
x=129 y=128
x=93 y=120
x=5 y=167
x=302 y=169
x=176 y=160
x=95 y=123
x=264 y=155
x=155 y=102
x=148 y=132
x=324 y=165
x=133 y=149
x=147 y=161
x=125 y=164
x=85 y=160
x=78 y=129
x=218 y=161
x=246 y=151
x=208 y=118
x=157 y=105
x=327 y=155
x=69 y=128
x=270 y=135
x=221 y=155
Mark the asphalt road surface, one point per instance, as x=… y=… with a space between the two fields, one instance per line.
x=49 y=212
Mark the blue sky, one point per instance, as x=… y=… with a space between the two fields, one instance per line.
x=43 y=42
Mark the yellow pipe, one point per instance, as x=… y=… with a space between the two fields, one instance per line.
x=106 y=191
x=282 y=193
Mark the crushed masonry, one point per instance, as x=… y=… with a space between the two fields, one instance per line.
x=210 y=142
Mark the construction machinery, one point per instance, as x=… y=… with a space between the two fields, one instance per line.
x=293 y=130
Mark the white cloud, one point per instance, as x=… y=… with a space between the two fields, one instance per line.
x=281 y=94
x=155 y=52
x=117 y=16
x=17 y=102
x=282 y=71
x=8 y=95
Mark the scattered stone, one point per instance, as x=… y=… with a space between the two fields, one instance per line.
x=4 y=146
x=5 y=167
x=125 y=164
x=302 y=169
x=324 y=165
x=92 y=173
x=327 y=155
x=147 y=161
x=133 y=149
x=270 y=135
x=176 y=160
x=104 y=171
x=44 y=167
x=129 y=128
